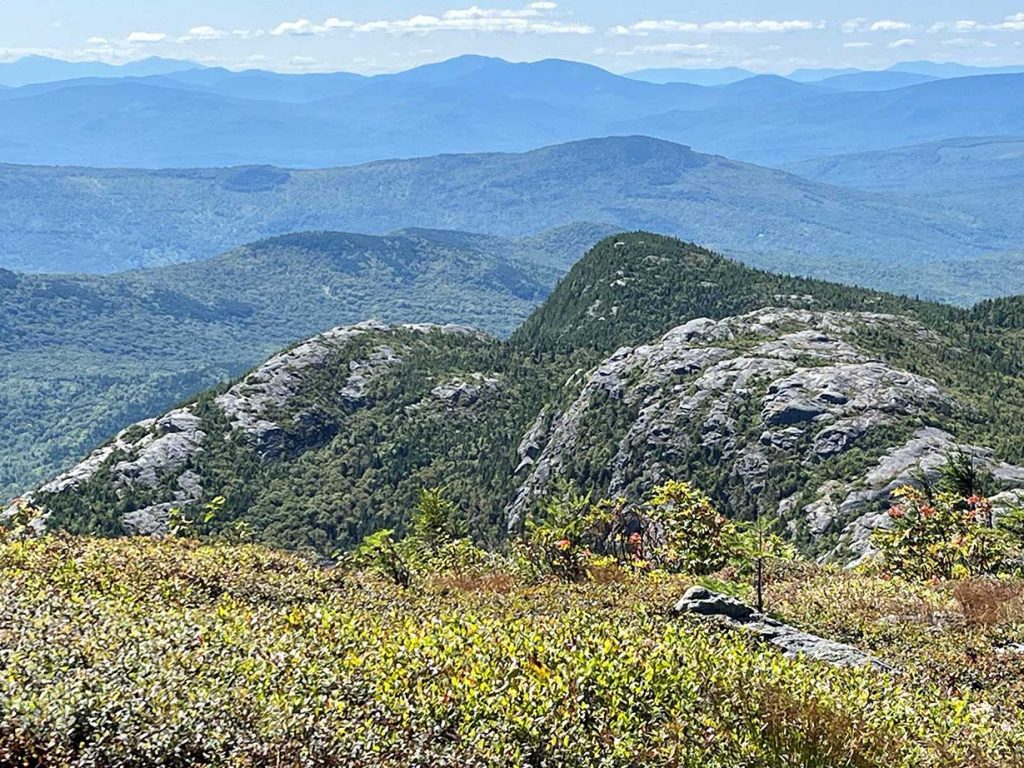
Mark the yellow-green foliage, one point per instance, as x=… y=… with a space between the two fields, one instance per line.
x=676 y=529
x=955 y=636
x=942 y=535
x=143 y=653
x=697 y=538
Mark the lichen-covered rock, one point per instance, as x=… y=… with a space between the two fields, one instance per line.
x=466 y=391
x=251 y=402
x=1007 y=501
x=149 y=521
x=864 y=500
x=532 y=443
x=792 y=642
x=773 y=390
x=175 y=438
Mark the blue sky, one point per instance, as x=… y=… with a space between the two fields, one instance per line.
x=321 y=35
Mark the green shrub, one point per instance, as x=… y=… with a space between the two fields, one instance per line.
x=555 y=537
x=676 y=529
x=686 y=532
x=380 y=552
x=941 y=535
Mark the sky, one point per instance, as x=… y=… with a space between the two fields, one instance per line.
x=371 y=37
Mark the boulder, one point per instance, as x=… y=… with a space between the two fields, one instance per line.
x=791 y=642
x=464 y=392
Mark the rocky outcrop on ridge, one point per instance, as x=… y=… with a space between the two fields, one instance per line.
x=864 y=500
x=153 y=457
x=771 y=391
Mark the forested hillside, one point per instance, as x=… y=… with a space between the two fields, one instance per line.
x=82 y=356
x=96 y=220
x=333 y=439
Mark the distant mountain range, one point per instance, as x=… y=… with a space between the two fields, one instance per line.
x=834 y=77
x=186 y=118
x=943 y=166
x=983 y=178
x=829 y=123
x=75 y=219
x=31 y=70
x=43 y=69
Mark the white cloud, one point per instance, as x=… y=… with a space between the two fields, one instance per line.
x=694 y=48
x=205 y=33
x=965 y=42
x=1014 y=23
x=534 y=18
x=905 y=42
x=650 y=26
x=298 y=27
x=335 y=23
x=98 y=41
x=888 y=25
x=861 y=24
x=766 y=25
x=302 y=61
x=146 y=37
x=860 y=44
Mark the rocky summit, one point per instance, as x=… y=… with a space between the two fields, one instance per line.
x=763 y=397
x=803 y=402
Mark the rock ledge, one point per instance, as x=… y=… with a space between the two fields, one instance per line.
x=791 y=641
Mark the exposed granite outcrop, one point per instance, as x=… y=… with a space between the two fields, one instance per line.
x=170 y=442
x=466 y=391
x=251 y=403
x=865 y=500
x=791 y=642
x=768 y=389
x=154 y=455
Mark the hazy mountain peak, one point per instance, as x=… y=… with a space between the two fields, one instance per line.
x=44 y=69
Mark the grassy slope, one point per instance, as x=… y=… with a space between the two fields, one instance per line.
x=177 y=654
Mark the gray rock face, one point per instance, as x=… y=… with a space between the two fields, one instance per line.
x=466 y=391
x=532 y=443
x=865 y=499
x=249 y=402
x=174 y=439
x=770 y=388
x=1008 y=501
x=151 y=521
x=152 y=452
x=790 y=641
